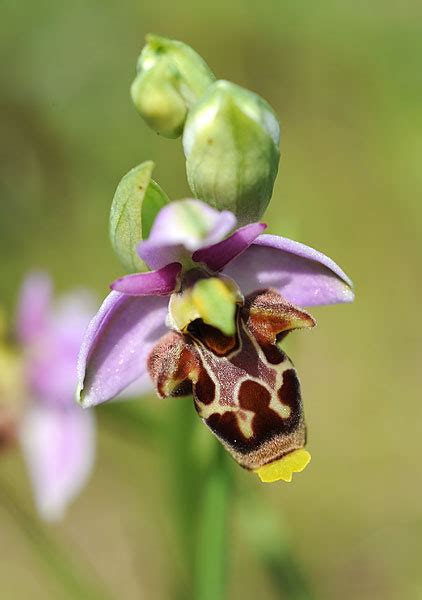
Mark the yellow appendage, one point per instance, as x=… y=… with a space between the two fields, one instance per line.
x=294 y=462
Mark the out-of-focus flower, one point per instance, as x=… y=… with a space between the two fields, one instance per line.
x=170 y=78
x=37 y=395
x=228 y=302
x=231 y=142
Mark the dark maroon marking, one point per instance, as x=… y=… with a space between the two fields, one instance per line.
x=266 y=423
x=248 y=359
x=253 y=395
x=184 y=389
x=226 y=427
x=204 y=388
x=212 y=338
x=289 y=392
x=273 y=355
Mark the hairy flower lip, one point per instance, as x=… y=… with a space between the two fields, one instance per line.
x=245 y=387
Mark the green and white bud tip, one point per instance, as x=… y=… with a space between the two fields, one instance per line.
x=231 y=143
x=170 y=78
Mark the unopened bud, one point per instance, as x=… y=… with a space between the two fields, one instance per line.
x=170 y=78
x=231 y=143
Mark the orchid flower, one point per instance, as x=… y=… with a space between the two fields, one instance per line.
x=207 y=320
x=56 y=436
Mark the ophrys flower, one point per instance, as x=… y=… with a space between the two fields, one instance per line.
x=37 y=391
x=209 y=320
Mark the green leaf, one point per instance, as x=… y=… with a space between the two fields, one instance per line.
x=135 y=205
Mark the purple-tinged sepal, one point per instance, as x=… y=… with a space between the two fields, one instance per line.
x=162 y=282
x=33 y=307
x=116 y=345
x=59 y=448
x=304 y=276
x=181 y=228
x=217 y=256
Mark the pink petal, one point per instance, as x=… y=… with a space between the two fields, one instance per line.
x=154 y=283
x=117 y=343
x=304 y=276
x=172 y=237
x=33 y=307
x=219 y=255
x=58 y=446
x=51 y=360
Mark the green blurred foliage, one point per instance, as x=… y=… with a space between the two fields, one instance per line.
x=346 y=82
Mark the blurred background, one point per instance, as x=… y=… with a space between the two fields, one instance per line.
x=346 y=81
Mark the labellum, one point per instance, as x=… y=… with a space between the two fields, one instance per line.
x=245 y=388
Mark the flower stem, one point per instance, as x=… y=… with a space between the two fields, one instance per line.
x=212 y=543
x=266 y=533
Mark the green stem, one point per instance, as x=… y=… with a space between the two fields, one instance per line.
x=212 y=543
x=55 y=559
x=287 y=576
x=269 y=539
x=185 y=489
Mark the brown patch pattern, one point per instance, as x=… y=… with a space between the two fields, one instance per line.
x=212 y=338
x=268 y=315
x=173 y=364
x=245 y=388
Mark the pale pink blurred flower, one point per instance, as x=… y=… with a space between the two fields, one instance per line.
x=57 y=436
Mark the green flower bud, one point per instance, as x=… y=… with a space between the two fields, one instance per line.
x=135 y=205
x=231 y=140
x=170 y=78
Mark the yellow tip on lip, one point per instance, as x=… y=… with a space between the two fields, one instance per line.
x=294 y=462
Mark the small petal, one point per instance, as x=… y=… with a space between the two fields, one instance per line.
x=52 y=358
x=304 y=276
x=269 y=317
x=182 y=227
x=58 y=446
x=117 y=343
x=33 y=307
x=153 y=283
x=219 y=255
x=173 y=364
